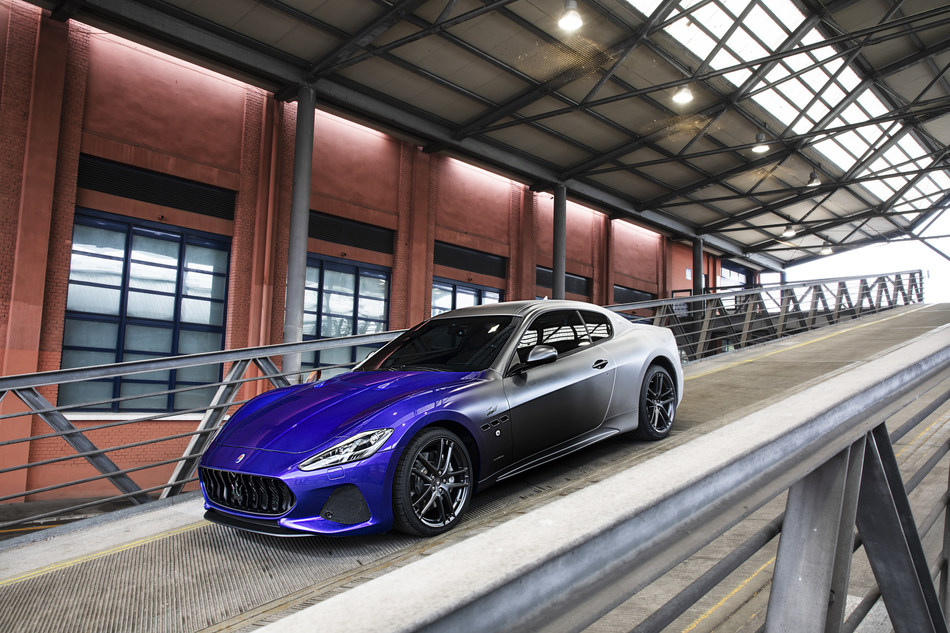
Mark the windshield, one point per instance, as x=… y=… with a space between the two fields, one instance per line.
x=462 y=344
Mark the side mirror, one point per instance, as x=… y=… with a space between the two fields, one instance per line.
x=541 y=355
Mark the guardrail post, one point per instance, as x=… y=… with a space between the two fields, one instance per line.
x=886 y=525
x=804 y=568
x=844 y=551
x=82 y=444
x=212 y=418
x=945 y=561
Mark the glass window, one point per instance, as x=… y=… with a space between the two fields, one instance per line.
x=342 y=299
x=452 y=295
x=561 y=329
x=136 y=292
x=598 y=326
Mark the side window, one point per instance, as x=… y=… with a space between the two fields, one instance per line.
x=561 y=329
x=598 y=326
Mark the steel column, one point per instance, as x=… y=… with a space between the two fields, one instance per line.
x=299 y=226
x=560 y=241
x=697 y=265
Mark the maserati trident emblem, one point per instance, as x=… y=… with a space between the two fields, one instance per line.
x=239 y=459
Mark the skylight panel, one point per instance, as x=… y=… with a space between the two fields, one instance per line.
x=798 y=62
x=871 y=104
x=836 y=153
x=743 y=45
x=895 y=156
x=787 y=13
x=928 y=187
x=854 y=143
x=691 y=36
x=832 y=94
x=765 y=28
x=815 y=79
x=817 y=111
x=777 y=106
x=714 y=19
x=853 y=114
x=879 y=189
x=849 y=79
x=871 y=133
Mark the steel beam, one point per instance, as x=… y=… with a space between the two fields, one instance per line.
x=82 y=444
x=886 y=525
x=804 y=567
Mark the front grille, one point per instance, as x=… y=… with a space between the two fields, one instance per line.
x=247 y=493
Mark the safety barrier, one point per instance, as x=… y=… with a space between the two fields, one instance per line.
x=722 y=321
x=562 y=566
x=703 y=325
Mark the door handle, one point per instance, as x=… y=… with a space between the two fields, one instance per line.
x=600 y=364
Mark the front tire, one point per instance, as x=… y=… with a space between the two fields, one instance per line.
x=432 y=484
x=657 y=404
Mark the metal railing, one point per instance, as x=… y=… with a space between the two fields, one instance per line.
x=704 y=325
x=561 y=567
x=718 y=322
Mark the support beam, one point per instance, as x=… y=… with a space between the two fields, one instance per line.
x=560 y=241
x=299 y=226
x=697 y=265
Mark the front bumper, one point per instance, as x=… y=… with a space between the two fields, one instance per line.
x=348 y=499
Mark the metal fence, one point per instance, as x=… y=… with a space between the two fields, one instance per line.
x=703 y=325
x=729 y=319
x=564 y=565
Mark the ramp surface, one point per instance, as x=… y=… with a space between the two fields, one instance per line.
x=162 y=568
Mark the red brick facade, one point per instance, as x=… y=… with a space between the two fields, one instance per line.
x=68 y=90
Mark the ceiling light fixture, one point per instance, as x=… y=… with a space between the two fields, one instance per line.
x=571 y=18
x=760 y=146
x=789 y=231
x=826 y=249
x=813 y=180
x=683 y=94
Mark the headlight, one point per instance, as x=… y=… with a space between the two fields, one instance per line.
x=350 y=450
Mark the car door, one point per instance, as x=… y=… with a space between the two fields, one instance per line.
x=553 y=403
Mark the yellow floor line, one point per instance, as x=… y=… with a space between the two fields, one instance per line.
x=799 y=345
x=119 y=548
x=719 y=604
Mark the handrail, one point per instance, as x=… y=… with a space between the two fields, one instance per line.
x=565 y=564
x=703 y=325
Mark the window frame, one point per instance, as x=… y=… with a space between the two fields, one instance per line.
x=479 y=289
x=321 y=263
x=123 y=321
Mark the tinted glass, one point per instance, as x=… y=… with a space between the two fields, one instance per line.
x=463 y=344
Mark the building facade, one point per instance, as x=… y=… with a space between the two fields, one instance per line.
x=145 y=211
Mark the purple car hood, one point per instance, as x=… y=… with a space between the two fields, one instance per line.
x=300 y=419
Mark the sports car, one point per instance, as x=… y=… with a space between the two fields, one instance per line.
x=461 y=401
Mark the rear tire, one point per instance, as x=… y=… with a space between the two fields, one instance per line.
x=657 y=404
x=432 y=484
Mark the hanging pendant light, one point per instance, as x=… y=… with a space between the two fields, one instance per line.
x=571 y=18
x=826 y=249
x=683 y=94
x=760 y=146
x=789 y=231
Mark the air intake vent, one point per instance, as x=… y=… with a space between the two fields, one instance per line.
x=125 y=181
x=247 y=493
